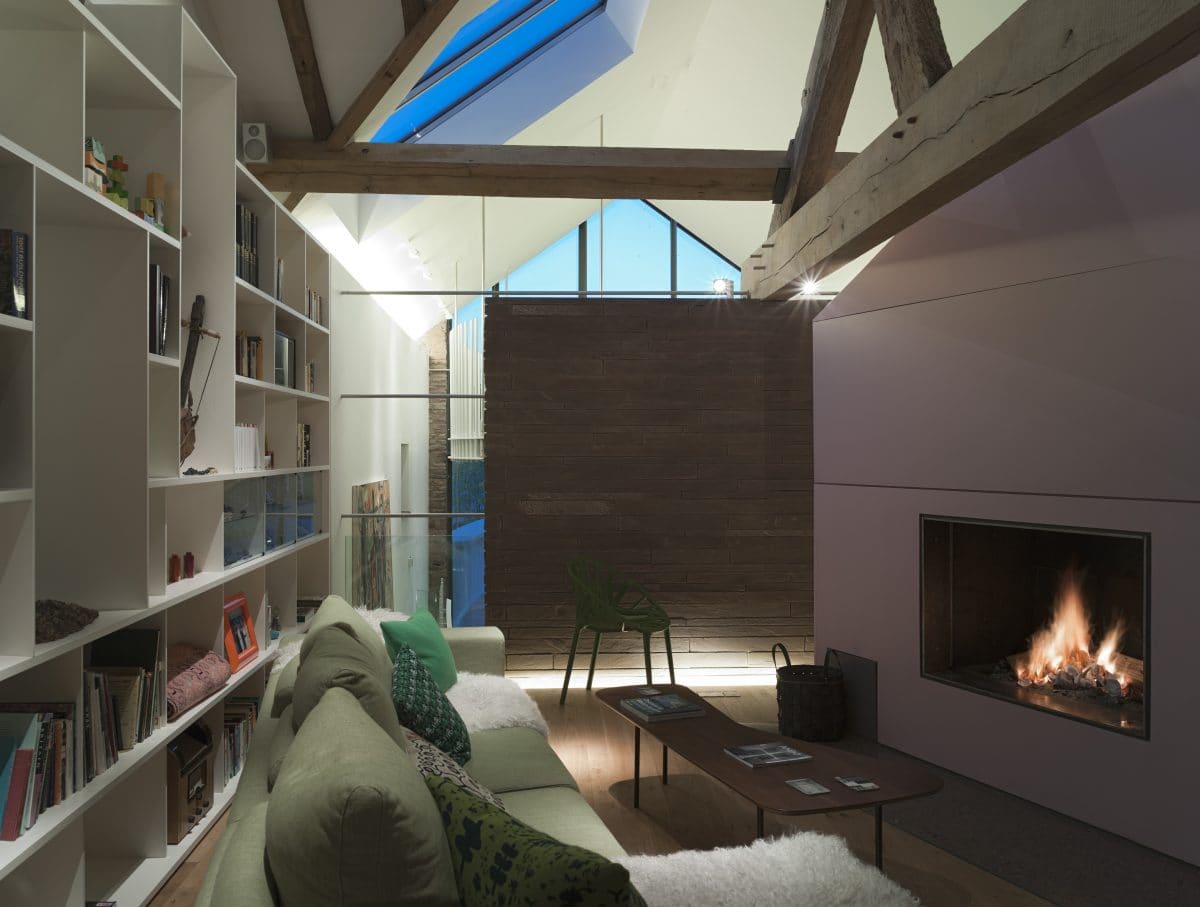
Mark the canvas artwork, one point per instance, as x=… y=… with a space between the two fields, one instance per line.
x=371 y=560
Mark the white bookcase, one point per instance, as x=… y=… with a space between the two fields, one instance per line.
x=93 y=499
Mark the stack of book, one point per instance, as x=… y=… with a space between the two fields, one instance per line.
x=314 y=305
x=310 y=377
x=246 y=447
x=124 y=695
x=248 y=356
x=16 y=296
x=240 y=715
x=246 y=244
x=303 y=444
x=39 y=762
x=663 y=707
x=160 y=308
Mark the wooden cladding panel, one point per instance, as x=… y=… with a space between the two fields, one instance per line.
x=671 y=438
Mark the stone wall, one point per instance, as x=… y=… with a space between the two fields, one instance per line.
x=671 y=438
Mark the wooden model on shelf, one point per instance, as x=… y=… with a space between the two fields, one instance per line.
x=189 y=416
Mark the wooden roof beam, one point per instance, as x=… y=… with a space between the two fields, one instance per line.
x=913 y=47
x=523 y=171
x=832 y=73
x=1050 y=66
x=308 y=73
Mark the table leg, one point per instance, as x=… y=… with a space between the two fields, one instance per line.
x=637 y=765
x=664 y=764
x=879 y=837
x=760 y=823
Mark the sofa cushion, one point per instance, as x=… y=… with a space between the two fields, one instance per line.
x=432 y=762
x=350 y=822
x=335 y=611
x=564 y=814
x=499 y=860
x=424 y=708
x=278 y=746
x=245 y=877
x=515 y=758
x=334 y=657
x=285 y=687
x=422 y=634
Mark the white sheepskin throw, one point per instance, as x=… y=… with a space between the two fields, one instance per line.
x=486 y=702
x=802 y=870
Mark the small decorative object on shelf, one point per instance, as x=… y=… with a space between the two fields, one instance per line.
x=16 y=297
x=189 y=781
x=175 y=570
x=95 y=166
x=276 y=628
x=189 y=565
x=153 y=205
x=116 y=191
x=241 y=645
x=188 y=417
x=54 y=619
x=193 y=674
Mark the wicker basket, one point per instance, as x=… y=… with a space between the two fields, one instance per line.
x=812 y=698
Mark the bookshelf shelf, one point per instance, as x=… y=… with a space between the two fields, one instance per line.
x=276 y=390
x=56 y=818
x=17 y=325
x=99 y=525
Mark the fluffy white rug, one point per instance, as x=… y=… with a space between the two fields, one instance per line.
x=486 y=701
x=802 y=870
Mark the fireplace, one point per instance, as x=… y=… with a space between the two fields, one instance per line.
x=1047 y=617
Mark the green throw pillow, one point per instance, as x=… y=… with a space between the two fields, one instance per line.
x=422 y=633
x=422 y=707
x=500 y=861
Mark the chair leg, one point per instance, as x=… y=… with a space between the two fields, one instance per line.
x=595 y=652
x=646 y=649
x=562 y=700
x=670 y=657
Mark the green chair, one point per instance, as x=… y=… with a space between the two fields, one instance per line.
x=607 y=602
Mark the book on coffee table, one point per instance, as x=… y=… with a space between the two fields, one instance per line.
x=662 y=708
x=756 y=755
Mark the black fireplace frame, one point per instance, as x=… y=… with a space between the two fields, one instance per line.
x=1033 y=700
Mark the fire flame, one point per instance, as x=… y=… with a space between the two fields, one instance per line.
x=1061 y=653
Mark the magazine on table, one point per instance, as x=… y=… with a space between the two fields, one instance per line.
x=662 y=707
x=756 y=755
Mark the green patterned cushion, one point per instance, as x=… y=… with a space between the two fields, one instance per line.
x=421 y=706
x=432 y=762
x=500 y=861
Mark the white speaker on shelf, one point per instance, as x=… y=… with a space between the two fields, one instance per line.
x=254 y=143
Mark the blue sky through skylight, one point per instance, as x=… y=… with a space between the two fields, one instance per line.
x=496 y=42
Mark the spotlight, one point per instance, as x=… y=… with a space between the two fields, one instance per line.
x=722 y=286
x=809 y=287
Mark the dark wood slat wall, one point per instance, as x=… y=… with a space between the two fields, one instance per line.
x=673 y=438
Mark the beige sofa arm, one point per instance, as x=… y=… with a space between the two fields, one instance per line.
x=477 y=650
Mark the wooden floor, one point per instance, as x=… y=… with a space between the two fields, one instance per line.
x=694 y=811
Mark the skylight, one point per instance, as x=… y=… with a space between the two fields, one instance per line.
x=494 y=44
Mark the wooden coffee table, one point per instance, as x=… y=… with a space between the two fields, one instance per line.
x=702 y=742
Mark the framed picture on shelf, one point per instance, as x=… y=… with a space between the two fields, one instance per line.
x=241 y=645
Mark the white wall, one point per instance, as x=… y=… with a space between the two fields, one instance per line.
x=373 y=355
x=1028 y=354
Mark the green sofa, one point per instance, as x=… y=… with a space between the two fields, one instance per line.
x=276 y=824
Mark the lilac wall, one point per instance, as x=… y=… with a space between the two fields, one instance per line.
x=1030 y=353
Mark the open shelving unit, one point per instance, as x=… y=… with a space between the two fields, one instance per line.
x=93 y=498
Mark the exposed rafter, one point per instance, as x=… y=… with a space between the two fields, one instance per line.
x=308 y=73
x=1049 y=67
x=523 y=171
x=832 y=72
x=417 y=35
x=913 y=47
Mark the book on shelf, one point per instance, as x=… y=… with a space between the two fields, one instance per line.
x=159 y=298
x=124 y=686
x=246 y=244
x=303 y=444
x=16 y=292
x=757 y=755
x=241 y=713
x=248 y=355
x=247 y=448
x=663 y=707
x=279 y=279
x=310 y=377
x=38 y=767
x=314 y=306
